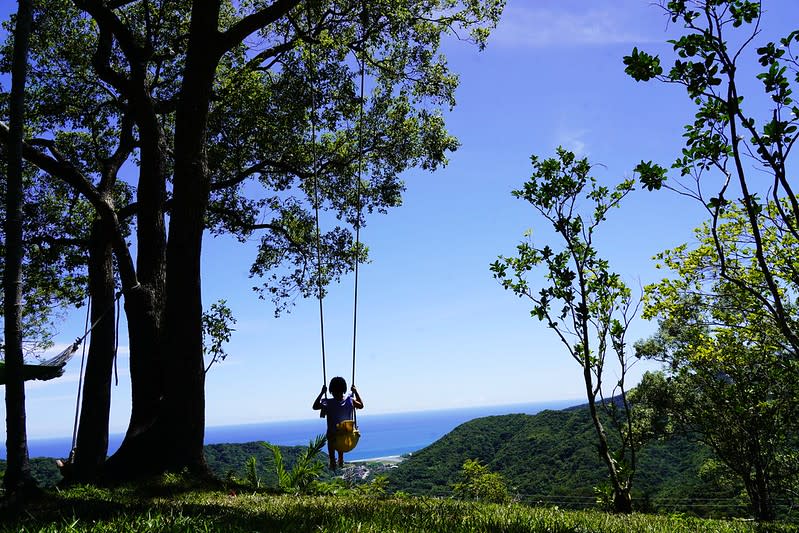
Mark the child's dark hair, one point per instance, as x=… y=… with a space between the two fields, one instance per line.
x=337 y=385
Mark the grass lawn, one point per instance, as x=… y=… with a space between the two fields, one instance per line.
x=173 y=507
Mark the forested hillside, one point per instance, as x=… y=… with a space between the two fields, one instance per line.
x=231 y=460
x=551 y=458
x=224 y=460
x=545 y=459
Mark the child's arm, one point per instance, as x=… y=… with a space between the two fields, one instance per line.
x=357 y=402
x=317 y=404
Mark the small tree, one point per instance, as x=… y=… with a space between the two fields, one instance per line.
x=731 y=382
x=738 y=289
x=480 y=484
x=579 y=298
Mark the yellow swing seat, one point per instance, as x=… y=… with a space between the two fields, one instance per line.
x=346 y=437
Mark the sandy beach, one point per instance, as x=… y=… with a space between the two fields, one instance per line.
x=389 y=460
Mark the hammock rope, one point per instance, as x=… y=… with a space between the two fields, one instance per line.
x=88 y=330
x=54 y=367
x=80 y=380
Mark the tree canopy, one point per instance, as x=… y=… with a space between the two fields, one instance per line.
x=730 y=378
x=183 y=117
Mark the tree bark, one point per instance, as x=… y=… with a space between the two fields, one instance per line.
x=144 y=307
x=184 y=393
x=622 y=499
x=92 y=438
x=17 y=477
x=145 y=327
x=165 y=317
x=168 y=419
x=760 y=492
x=140 y=452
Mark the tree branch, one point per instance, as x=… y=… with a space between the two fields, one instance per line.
x=101 y=63
x=70 y=175
x=108 y=21
x=254 y=22
x=256 y=168
x=112 y=164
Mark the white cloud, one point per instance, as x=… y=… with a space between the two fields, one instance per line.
x=540 y=27
x=34 y=357
x=572 y=140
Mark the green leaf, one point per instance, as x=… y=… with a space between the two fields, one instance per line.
x=642 y=66
x=652 y=176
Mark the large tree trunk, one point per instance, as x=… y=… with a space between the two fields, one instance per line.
x=92 y=439
x=140 y=451
x=184 y=399
x=145 y=310
x=146 y=323
x=17 y=477
x=168 y=419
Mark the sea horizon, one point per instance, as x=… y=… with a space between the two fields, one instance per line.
x=382 y=435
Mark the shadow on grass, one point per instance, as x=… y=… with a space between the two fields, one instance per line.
x=140 y=509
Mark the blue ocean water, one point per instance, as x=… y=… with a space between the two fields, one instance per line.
x=382 y=435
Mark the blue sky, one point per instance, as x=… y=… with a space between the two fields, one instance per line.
x=434 y=329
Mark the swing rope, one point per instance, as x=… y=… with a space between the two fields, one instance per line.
x=357 y=234
x=357 y=222
x=315 y=174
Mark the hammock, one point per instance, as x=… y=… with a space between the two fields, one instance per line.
x=45 y=370
x=54 y=368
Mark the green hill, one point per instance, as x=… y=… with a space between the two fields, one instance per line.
x=548 y=458
x=551 y=458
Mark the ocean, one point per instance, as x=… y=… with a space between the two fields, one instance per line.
x=382 y=435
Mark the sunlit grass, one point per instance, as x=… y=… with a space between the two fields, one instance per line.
x=172 y=508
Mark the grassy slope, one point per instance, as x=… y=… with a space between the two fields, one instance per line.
x=172 y=507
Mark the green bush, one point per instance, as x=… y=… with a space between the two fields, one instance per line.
x=480 y=484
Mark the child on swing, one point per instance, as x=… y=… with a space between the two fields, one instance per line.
x=337 y=409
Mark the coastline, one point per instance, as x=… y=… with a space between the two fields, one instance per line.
x=390 y=435
x=387 y=460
